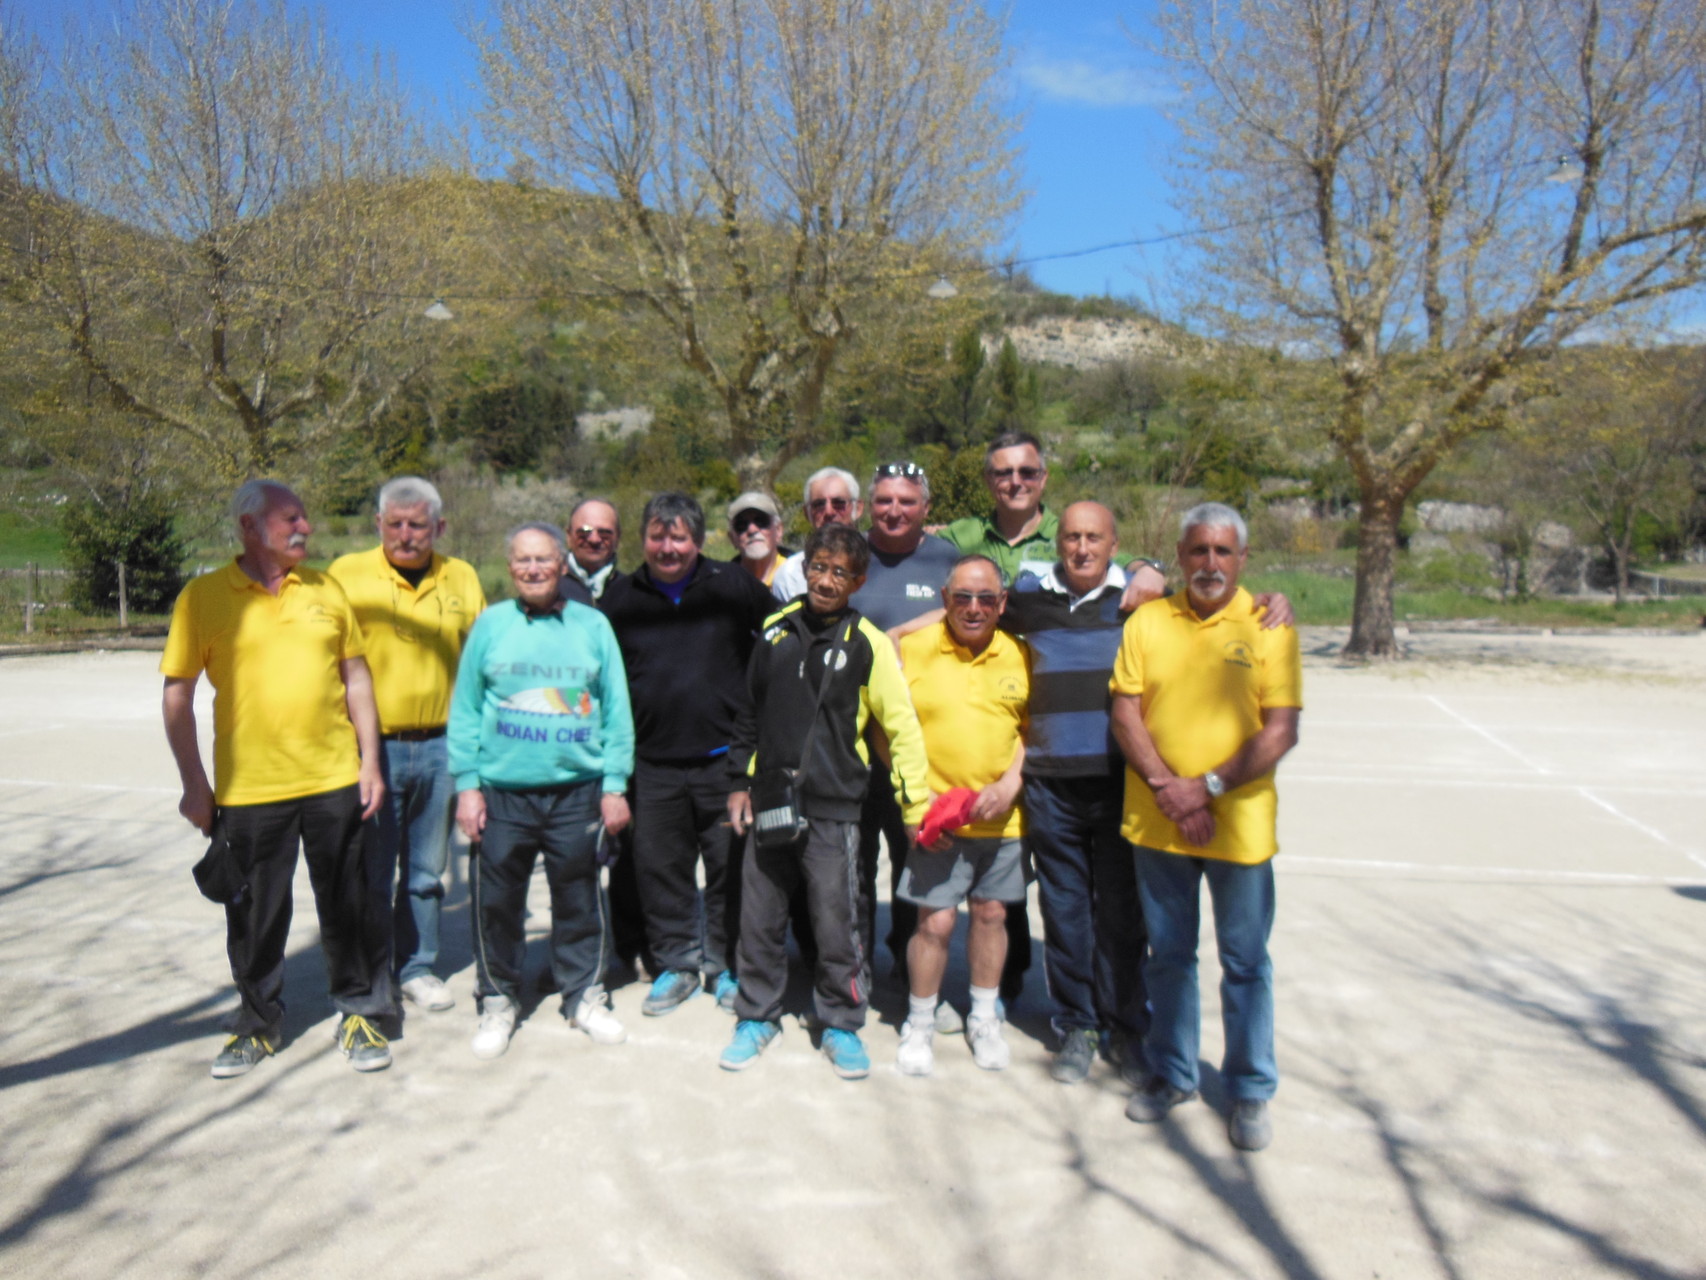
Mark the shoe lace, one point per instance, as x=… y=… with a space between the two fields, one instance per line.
x=359 y=1029
x=238 y=1044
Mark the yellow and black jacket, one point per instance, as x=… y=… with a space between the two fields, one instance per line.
x=788 y=663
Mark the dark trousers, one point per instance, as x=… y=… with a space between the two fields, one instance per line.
x=627 y=918
x=1093 y=933
x=827 y=861
x=881 y=819
x=559 y=824
x=680 y=819
x=264 y=839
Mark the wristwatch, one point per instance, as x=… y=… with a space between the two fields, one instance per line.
x=1216 y=788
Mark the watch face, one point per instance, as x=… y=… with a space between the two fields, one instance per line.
x=1215 y=786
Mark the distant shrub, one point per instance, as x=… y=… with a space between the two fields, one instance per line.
x=139 y=530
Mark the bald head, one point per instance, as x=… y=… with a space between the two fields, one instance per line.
x=594 y=530
x=1086 y=543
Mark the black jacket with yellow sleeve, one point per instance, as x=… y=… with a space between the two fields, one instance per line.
x=793 y=653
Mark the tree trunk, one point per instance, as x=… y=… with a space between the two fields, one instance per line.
x=1372 y=632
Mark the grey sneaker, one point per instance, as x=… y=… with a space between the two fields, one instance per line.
x=362 y=1044
x=1152 y=1102
x=497 y=1025
x=1072 y=1060
x=671 y=988
x=241 y=1053
x=1125 y=1054
x=948 y=1020
x=1248 y=1126
x=428 y=991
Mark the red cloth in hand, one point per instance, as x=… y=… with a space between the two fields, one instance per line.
x=947 y=811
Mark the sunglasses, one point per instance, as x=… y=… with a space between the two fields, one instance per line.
x=1024 y=473
x=586 y=533
x=749 y=520
x=965 y=599
x=830 y=504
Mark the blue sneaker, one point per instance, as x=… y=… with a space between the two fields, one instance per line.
x=727 y=988
x=846 y=1055
x=673 y=987
x=751 y=1039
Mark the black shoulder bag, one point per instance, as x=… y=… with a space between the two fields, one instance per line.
x=776 y=818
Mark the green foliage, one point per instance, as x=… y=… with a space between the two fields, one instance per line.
x=137 y=529
x=956 y=482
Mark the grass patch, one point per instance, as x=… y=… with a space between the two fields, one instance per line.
x=30 y=540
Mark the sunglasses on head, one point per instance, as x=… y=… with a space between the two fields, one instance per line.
x=900 y=471
x=749 y=520
x=1024 y=473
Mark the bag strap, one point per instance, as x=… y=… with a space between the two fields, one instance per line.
x=836 y=645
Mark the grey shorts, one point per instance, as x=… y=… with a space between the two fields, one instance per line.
x=988 y=867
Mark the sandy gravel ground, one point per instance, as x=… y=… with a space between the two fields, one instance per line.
x=1492 y=1034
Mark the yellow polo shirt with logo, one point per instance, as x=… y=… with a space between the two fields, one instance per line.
x=280 y=726
x=1205 y=683
x=972 y=709
x=414 y=635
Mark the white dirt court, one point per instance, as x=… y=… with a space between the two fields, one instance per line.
x=1491 y=961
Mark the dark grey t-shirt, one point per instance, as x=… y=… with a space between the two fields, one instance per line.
x=899 y=588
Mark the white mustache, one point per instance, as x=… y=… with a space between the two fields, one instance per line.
x=297 y=540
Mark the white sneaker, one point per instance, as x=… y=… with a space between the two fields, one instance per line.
x=917 y=1053
x=948 y=1020
x=497 y=1025
x=595 y=1018
x=429 y=992
x=988 y=1049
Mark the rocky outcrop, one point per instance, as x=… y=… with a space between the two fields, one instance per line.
x=1085 y=344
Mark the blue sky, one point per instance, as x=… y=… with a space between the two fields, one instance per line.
x=1090 y=99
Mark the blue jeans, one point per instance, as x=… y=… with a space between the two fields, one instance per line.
x=1092 y=923
x=411 y=834
x=1243 y=901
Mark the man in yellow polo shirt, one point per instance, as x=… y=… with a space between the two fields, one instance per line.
x=970 y=687
x=1206 y=703
x=295 y=760
x=415 y=607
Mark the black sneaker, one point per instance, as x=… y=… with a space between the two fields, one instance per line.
x=1152 y=1102
x=1072 y=1060
x=1248 y=1126
x=362 y=1044
x=1125 y=1054
x=241 y=1053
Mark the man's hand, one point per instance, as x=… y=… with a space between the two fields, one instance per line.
x=740 y=811
x=1198 y=828
x=1178 y=798
x=471 y=813
x=995 y=799
x=1142 y=584
x=197 y=805
x=613 y=808
x=1278 y=608
x=372 y=785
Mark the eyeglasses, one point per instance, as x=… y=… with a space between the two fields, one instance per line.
x=586 y=533
x=1024 y=473
x=749 y=520
x=899 y=471
x=818 y=569
x=830 y=504
x=965 y=599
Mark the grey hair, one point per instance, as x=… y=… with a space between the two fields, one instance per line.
x=253 y=497
x=917 y=476
x=1214 y=515
x=411 y=491
x=825 y=473
x=551 y=531
x=668 y=507
x=975 y=557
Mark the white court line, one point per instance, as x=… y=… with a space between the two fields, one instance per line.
x=1491 y=873
x=88 y=786
x=1642 y=827
x=1498 y=742
x=40 y=728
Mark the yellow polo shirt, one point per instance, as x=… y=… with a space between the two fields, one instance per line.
x=972 y=710
x=280 y=726
x=413 y=635
x=1205 y=683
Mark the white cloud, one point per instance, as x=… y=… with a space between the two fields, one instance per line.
x=1079 y=81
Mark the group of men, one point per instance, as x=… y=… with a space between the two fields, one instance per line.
x=978 y=701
